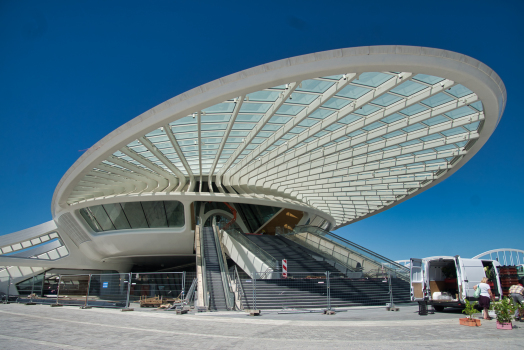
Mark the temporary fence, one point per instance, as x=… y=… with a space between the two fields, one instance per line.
x=313 y=290
x=260 y=290
x=113 y=290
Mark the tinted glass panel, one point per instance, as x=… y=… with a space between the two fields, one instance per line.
x=102 y=218
x=116 y=214
x=135 y=214
x=155 y=214
x=90 y=219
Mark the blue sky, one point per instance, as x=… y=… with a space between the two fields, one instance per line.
x=73 y=71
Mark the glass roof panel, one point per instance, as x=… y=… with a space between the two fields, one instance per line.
x=213 y=126
x=366 y=110
x=428 y=79
x=460 y=112
x=243 y=126
x=436 y=120
x=185 y=120
x=248 y=117
x=263 y=96
x=408 y=88
x=303 y=99
x=477 y=105
x=473 y=126
x=459 y=91
x=220 y=108
x=349 y=119
x=215 y=118
x=392 y=118
x=321 y=113
x=353 y=92
x=415 y=109
x=372 y=126
x=454 y=131
x=279 y=119
x=414 y=127
x=336 y=103
x=249 y=107
x=313 y=85
x=308 y=122
x=386 y=100
x=289 y=109
x=437 y=100
x=372 y=79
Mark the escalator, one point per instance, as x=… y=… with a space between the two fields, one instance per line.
x=213 y=273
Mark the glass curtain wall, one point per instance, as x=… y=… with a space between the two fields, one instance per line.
x=134 y=215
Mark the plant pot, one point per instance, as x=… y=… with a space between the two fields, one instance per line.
x=469 y=322
x=504 y=325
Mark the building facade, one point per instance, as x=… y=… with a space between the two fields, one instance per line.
x=321 y=140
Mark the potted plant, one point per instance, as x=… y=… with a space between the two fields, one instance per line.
x=470 y=310
x=504 y=311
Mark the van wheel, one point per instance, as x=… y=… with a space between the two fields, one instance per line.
x=438 y=308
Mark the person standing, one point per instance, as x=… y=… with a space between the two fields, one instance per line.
x=485 y=296
x=516 y=292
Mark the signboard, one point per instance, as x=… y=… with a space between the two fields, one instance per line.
x=105 y=284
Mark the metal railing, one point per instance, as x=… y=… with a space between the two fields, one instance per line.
x=190 y=296
x=380 y=261
x=260 y=253
x=239 y=290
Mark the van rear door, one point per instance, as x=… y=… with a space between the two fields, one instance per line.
x=472 y=272
x=417 y=279
x=496 y=264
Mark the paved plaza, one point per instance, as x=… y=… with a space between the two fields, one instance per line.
x=44 y=327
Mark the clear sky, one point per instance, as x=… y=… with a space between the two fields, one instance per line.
x=73 y=71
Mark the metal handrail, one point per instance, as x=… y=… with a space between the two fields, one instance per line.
x=223 y=271
x=191 y=292
x=203 y=267
x=356 y=249
x=260 y=253
x=345 y=261
x=240 y=289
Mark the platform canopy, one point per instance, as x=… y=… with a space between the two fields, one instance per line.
x=349 y=132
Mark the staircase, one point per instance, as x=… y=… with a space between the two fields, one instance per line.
x=309 y=293
x=215 y=288
x=299 y=259
x=306 y=286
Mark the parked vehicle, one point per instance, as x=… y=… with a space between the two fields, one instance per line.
x=448 y=281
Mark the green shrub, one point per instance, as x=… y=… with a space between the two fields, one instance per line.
x=504 y=309
x=470 y=309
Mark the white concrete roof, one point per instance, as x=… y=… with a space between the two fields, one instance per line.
x=350 y=132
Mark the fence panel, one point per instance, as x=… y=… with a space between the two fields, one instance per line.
x=300 y=290
x=329 y=290
x=157 y=288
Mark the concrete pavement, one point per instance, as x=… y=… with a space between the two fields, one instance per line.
x=44 y=327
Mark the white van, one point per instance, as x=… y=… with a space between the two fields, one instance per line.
x=447 y=281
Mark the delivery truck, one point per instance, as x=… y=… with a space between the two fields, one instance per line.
x=448 y=281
